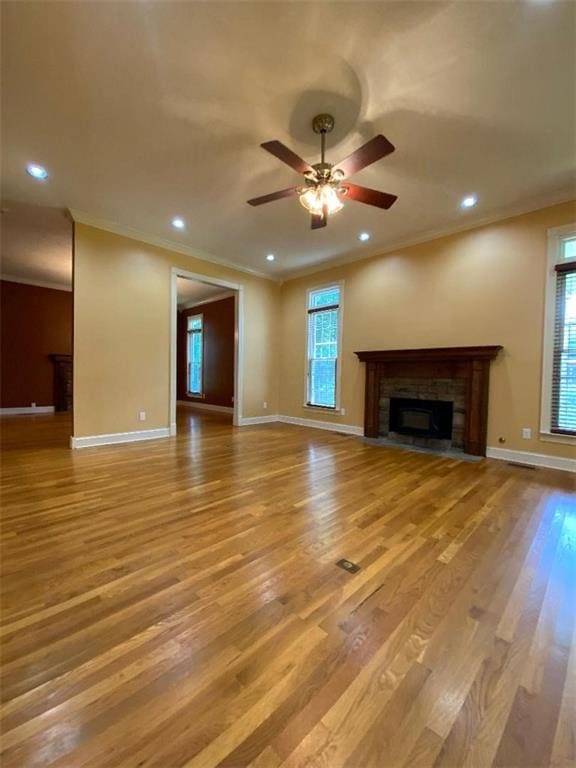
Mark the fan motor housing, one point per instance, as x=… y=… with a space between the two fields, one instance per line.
x=322 y=171
x=323 y=123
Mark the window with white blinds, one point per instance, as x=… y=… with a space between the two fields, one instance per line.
x=323 y=343
x=563 y=390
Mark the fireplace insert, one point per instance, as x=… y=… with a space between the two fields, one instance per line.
x=424 y=418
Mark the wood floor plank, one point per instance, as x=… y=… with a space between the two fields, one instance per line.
x=177 y=603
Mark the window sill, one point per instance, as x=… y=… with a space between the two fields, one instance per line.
x=555 y=437
x=322 y=408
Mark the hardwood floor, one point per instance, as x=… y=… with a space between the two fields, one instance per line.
x=177 y=603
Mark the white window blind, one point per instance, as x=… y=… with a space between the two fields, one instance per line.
x=323 y=334
x=563 y=406
x=194 y=351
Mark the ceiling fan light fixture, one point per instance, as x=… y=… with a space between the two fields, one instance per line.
x=321 y=199
x=326 y=187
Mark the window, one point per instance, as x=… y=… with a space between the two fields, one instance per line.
x=323 y=342
x=564 y=365
x=194 y=354
x=559 y=390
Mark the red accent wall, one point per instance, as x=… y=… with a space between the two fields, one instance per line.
x=34 y=323
x=219 y=327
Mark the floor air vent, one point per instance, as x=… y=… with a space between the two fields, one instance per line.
x=347 y=565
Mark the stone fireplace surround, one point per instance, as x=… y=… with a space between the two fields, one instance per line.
x=450 y=390
x=425 y=372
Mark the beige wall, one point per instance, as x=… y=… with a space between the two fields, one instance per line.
x=122 y=297
x=483 y=286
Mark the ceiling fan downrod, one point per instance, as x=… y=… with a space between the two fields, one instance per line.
x=323 y=124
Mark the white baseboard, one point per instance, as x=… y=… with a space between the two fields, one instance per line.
x=331 y=426
x=27 y=410
x=501 y=454
x=248 y=421
x=532 y=459
x=206 y=406
x=119 y=437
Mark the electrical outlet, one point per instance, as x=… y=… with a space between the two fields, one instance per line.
x=343 y=411
x=264 y=404
x=142 y=415
x=527 y=433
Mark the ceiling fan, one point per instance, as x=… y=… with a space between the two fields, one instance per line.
x=324 y=189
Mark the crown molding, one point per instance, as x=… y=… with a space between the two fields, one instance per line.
x=37 y=283
x=364 y=255
x=426 y=237
x=81 y=217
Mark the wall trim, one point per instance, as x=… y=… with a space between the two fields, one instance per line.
x=330 y=426
x=238 y=343
x=26 y=410
x=532 y=459
x=91 y=441
x=553 y=437
x=556 y=236
x=467 y=224
x=206 y=406
x=37 y=283
x=248 y=421
x=82 y=217
x=500 y=454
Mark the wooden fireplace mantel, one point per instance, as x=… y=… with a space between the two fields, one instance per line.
x=469 y=363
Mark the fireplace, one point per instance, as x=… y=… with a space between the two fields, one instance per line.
x=421 y=418
x=457 y=375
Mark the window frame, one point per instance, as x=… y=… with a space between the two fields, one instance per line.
x=188 y=332
x=337 y=407
x=556 y=238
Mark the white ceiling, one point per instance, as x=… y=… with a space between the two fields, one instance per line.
x=142 y=111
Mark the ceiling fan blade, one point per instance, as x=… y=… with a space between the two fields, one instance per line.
x=369 y=196
x=368 y=153
x=282 y=152
x=317 y=222
x=273 y=196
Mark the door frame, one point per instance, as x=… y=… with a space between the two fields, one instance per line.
x=238 y=339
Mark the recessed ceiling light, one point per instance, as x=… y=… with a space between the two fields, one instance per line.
x=270 y=257
x=37 y=171
x=178 y=223
x=469 y=202
x=363 y=236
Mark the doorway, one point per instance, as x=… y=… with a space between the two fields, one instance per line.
x=36 y=321
x=206 y=346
